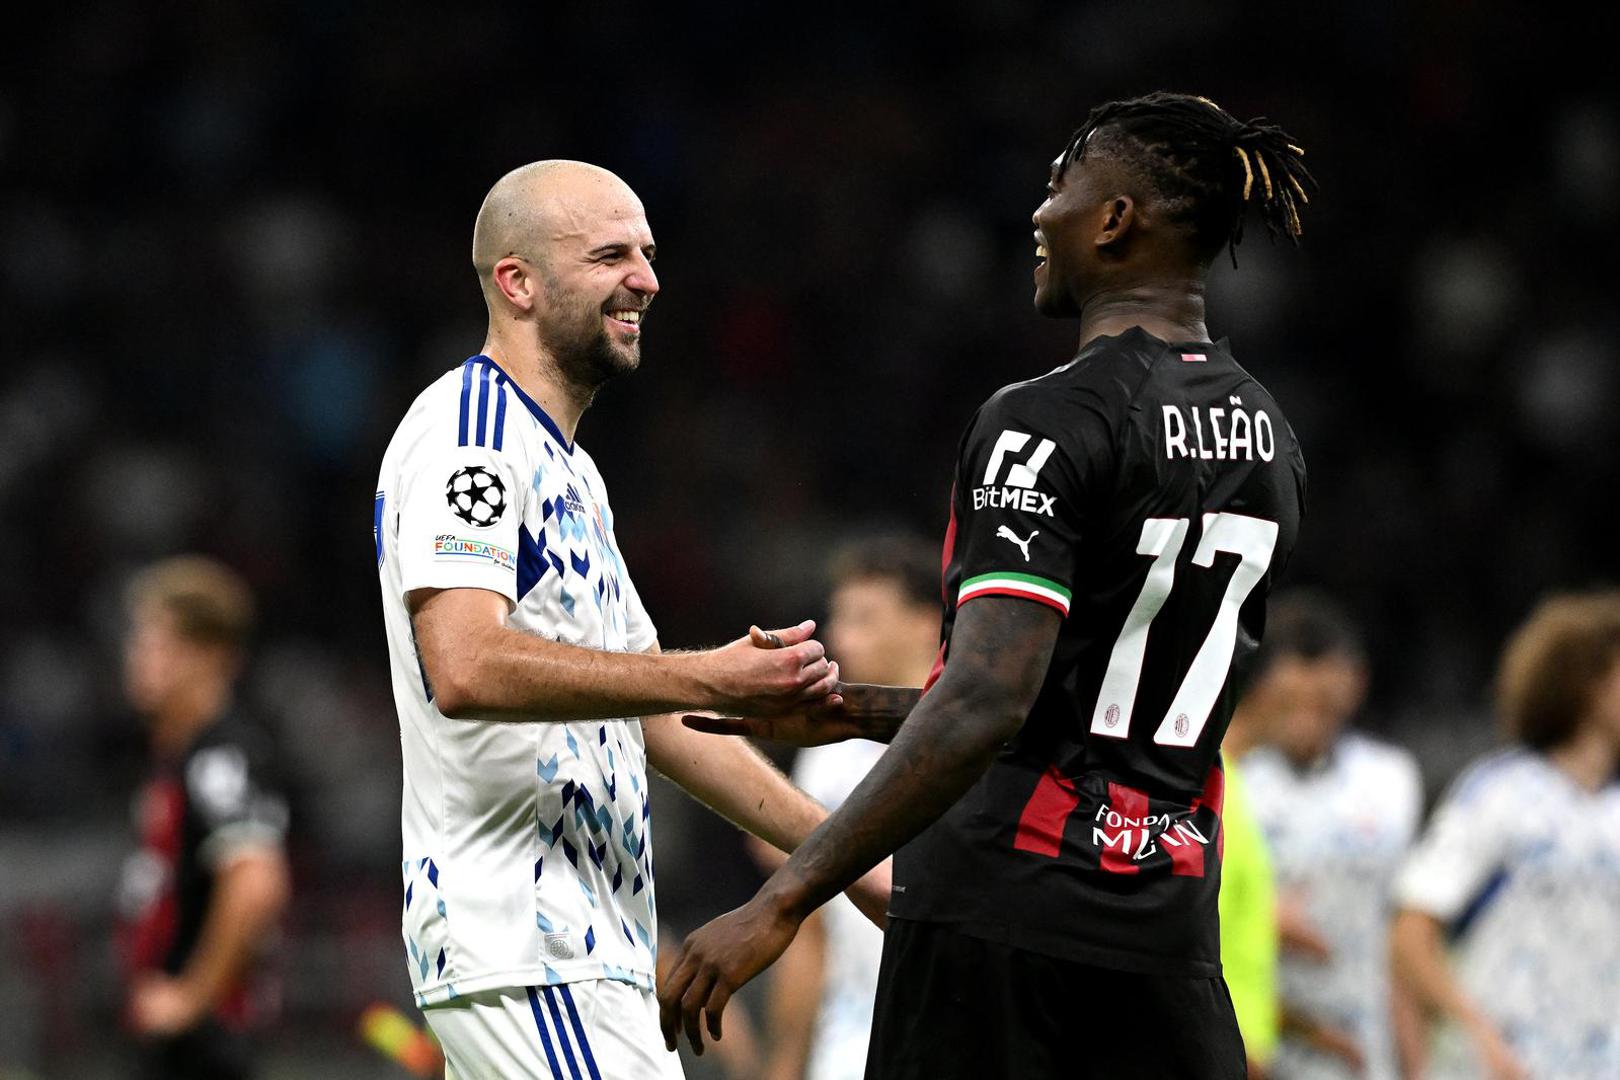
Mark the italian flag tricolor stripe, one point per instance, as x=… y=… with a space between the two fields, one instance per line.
x=1007 y=583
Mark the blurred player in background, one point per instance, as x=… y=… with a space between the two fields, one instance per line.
x=202 y=896
x=884 y=629
x=1509 y=929
x=1115 y=529
x=523 y=660
x=1339 y=810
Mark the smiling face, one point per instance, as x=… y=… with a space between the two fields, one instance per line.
x=599 y=282
x=567 y=246
x=1064 y=246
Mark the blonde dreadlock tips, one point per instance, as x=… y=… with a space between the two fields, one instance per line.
x=1248 y=173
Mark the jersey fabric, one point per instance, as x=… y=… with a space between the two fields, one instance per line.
x=1148 y=493
x=599 y=1030
x=1338 y=831
x=955 y=1005
x=1523 y=867
x=1248 y=907
x=527 y=847
x=222 y=796
x=854 y=949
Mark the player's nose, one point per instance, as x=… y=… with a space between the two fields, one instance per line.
x=642 y=278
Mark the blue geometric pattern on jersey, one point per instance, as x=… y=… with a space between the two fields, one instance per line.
x=531 y=562
x=376 y=526
x=424 y=928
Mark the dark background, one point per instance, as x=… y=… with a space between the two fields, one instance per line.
x=234 y=246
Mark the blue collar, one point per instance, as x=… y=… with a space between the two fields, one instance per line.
x=533 y=406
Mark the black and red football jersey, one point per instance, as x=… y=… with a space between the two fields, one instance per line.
x=222 y=795
x=1150 y=493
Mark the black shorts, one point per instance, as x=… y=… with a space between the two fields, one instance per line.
x=951 y=1005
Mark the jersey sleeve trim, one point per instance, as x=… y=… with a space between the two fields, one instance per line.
x=1028 y=586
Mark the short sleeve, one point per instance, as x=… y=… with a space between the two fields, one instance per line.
x=1457 y=855
x=1021 y=481
x=459 y=515
x=235 y=800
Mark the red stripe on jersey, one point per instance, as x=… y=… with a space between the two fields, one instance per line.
x=947 y=553
x=1132 y=804
x=936 y=671
x=1040 y=827
x=1193 y=358
x=1186 y=851
x=1055 y=605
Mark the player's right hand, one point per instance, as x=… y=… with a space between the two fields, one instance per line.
x=769 y=672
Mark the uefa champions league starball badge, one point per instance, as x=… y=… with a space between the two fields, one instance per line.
x=476 y=496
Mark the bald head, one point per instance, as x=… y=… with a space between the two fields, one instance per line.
x=564 y=256
x=539 y=205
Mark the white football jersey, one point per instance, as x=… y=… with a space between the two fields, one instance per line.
x=527 y=847
x=843 y=1025
x=1523 y=865
x=1337 y=833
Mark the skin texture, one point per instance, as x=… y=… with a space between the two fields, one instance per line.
x=1115 y=263
x=999 y=654
x=881 y=636
x=181 y=686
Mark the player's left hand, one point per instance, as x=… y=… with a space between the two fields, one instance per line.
x=715 y=962
x=161 y=1005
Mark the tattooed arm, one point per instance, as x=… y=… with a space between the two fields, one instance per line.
x=1000 y=649
x=864 y=711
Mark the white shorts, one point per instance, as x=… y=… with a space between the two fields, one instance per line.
x=595 y=1030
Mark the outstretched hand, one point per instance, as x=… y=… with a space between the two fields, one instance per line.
x=715 y=962
x=849 y=711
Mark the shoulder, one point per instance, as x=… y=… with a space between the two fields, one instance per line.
x=1512 y=774
x=1367 y=754
x=226 y=764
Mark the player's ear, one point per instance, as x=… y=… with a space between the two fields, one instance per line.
x=516 y=280
x=1118 y=216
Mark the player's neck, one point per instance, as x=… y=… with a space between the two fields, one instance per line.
x=1589 y=757
x=1172 y=311
x=178 y=721
x=538 y=376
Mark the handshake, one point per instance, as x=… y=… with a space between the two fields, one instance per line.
x=780 y=685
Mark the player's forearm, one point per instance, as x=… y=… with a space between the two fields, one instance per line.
x=881 y=709
x=250 y=893
x=938 y=754
x=1418 y=960
x=734 y=780
x=999 y=658
x=503 y=674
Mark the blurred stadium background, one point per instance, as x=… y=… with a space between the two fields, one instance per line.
x=233 y=246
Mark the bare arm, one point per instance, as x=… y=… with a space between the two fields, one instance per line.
x=856 y=711
x=1418 y=962
x=481 y=668
x=251 y=890
x=740 y=784
x=1000 y=650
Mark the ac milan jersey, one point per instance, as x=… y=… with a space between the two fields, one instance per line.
x=222 y=796
x=1149 y=493
x=527 y=844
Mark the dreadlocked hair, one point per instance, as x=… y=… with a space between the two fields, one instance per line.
x=1207 y=165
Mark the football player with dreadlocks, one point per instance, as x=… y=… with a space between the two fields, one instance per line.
x=1054 y=793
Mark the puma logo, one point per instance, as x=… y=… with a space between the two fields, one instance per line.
x=1005 y=533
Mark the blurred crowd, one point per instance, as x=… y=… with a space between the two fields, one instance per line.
x=234 y=245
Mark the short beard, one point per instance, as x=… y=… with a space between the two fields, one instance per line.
x=585 y=357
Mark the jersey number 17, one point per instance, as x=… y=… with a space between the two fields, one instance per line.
x=1252 y=539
